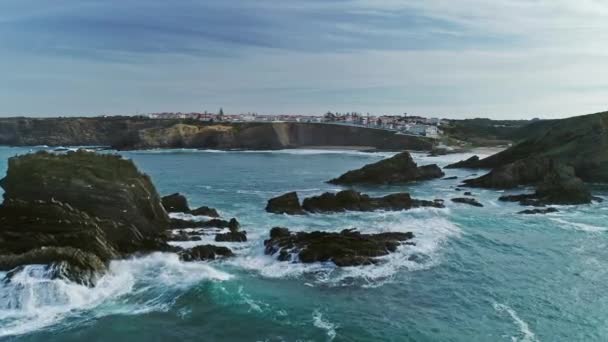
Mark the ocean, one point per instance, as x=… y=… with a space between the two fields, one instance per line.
x=475 y=274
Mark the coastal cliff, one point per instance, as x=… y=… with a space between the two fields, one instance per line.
x=144 y=133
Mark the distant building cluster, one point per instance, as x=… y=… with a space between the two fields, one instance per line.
x=413 y=125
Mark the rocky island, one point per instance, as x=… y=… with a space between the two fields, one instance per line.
x=346 y=200
x=398 y=169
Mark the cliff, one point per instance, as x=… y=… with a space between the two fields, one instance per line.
x=143 y=133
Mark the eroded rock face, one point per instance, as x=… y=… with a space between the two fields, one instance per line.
x=396 y=170
x=231 y=237
x=347 y=248
x=80 y=209
x=355 y=201
x=288 y=203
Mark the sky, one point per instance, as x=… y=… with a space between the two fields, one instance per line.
x=507 y=59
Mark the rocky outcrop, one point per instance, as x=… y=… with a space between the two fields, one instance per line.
x=232 y=224
x=204 y=211
x=233 y=236
x=288 y=203
x=347 y=248
x=398 y=169
x=469 y=201
x=178 y=203
x=205 y=252
x=79 y=209
x=355 y=201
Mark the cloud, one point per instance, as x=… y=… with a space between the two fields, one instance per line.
x=515 y=58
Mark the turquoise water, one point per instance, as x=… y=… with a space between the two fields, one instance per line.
x=476 y=274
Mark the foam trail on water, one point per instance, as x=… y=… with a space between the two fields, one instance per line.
x=321 y=323
x=526 y=334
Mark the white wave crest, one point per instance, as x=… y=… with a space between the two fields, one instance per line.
x=431 y=234
x=579 y=226
x=31 y=301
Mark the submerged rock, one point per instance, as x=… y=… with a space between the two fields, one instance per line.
x=78 y=210
x=288 y=203
x=355 y=201
x=469 y=201
x=450 y=178
x=538 y=211
x=396 y=170
x=347 y=248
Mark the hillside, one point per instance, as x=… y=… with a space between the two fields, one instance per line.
x=580 y=141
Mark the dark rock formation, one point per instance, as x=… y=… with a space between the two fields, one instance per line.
x=204 y=211
x=347 y=248
x=288 y=203
x=176 y=203
x=450 y=178
x=468 y=193
x=469 y=201
x=396 y=170
x=185 y=236
x=233 y=224
x=231 y=237
x=205 y=252
x=355 y=201
x=470 y=163
x=79 y=209
x=538 y=211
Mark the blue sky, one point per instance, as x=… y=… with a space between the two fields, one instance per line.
x=449 y=58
